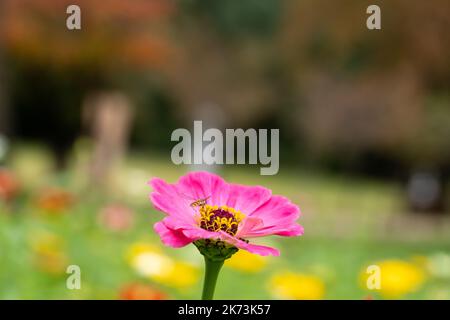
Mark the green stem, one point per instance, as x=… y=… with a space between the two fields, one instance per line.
x=212 y=269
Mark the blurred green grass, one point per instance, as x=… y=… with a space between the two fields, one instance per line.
x=348 y=224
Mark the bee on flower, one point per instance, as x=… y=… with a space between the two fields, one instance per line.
x=234 y=213
x=220 y=218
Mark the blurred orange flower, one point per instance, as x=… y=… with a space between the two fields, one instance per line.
x=55 y=200
x=138 y=291
x=9 y=185
x=116 y=217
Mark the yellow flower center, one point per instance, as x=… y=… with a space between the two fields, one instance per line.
x=215 y=218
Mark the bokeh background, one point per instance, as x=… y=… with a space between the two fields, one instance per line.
x=86 y=117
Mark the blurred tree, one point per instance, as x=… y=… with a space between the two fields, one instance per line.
x=360 y=92
x=364 y=101
x=222 y=61
x=4 y=106
x=238 y=19
x=118 y=44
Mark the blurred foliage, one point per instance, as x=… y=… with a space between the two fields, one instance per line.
x=120 y=34
x=345 y=97
x=236 y=18
x=54 y=69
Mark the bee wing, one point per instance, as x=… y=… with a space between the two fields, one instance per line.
x=194 y=202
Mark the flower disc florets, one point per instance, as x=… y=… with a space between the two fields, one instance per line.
x=223 y=218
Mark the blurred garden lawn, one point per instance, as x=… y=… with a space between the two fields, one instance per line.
x=349 y=224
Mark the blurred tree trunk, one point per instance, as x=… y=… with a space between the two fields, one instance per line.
x=109 y=116
x=212 y=116
x=4 y=105
x=4 y=108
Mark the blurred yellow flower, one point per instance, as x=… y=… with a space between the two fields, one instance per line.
x=182 y=275
x=397 y=278
x=149 y=261
x=48 y=253
x=290 y=285
x=246 y=262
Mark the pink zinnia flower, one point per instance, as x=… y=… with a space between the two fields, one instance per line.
x=203 y=206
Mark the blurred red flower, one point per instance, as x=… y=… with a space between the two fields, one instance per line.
x=9 y=185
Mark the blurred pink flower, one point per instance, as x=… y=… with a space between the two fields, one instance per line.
x=116 y=217
x=203 y=206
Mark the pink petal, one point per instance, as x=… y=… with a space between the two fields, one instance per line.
x=279 y=217
x=249 y=224
x=278 y=210
x=162 y=187
x=165 y=197
x=258 y=249
x=170 y=237
x=253 y=248
x=199 y=233
x=174 y=223
x=247 y=199
x=290 y=230
x=172 y=207
x=201 y=184
x=191 y=231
